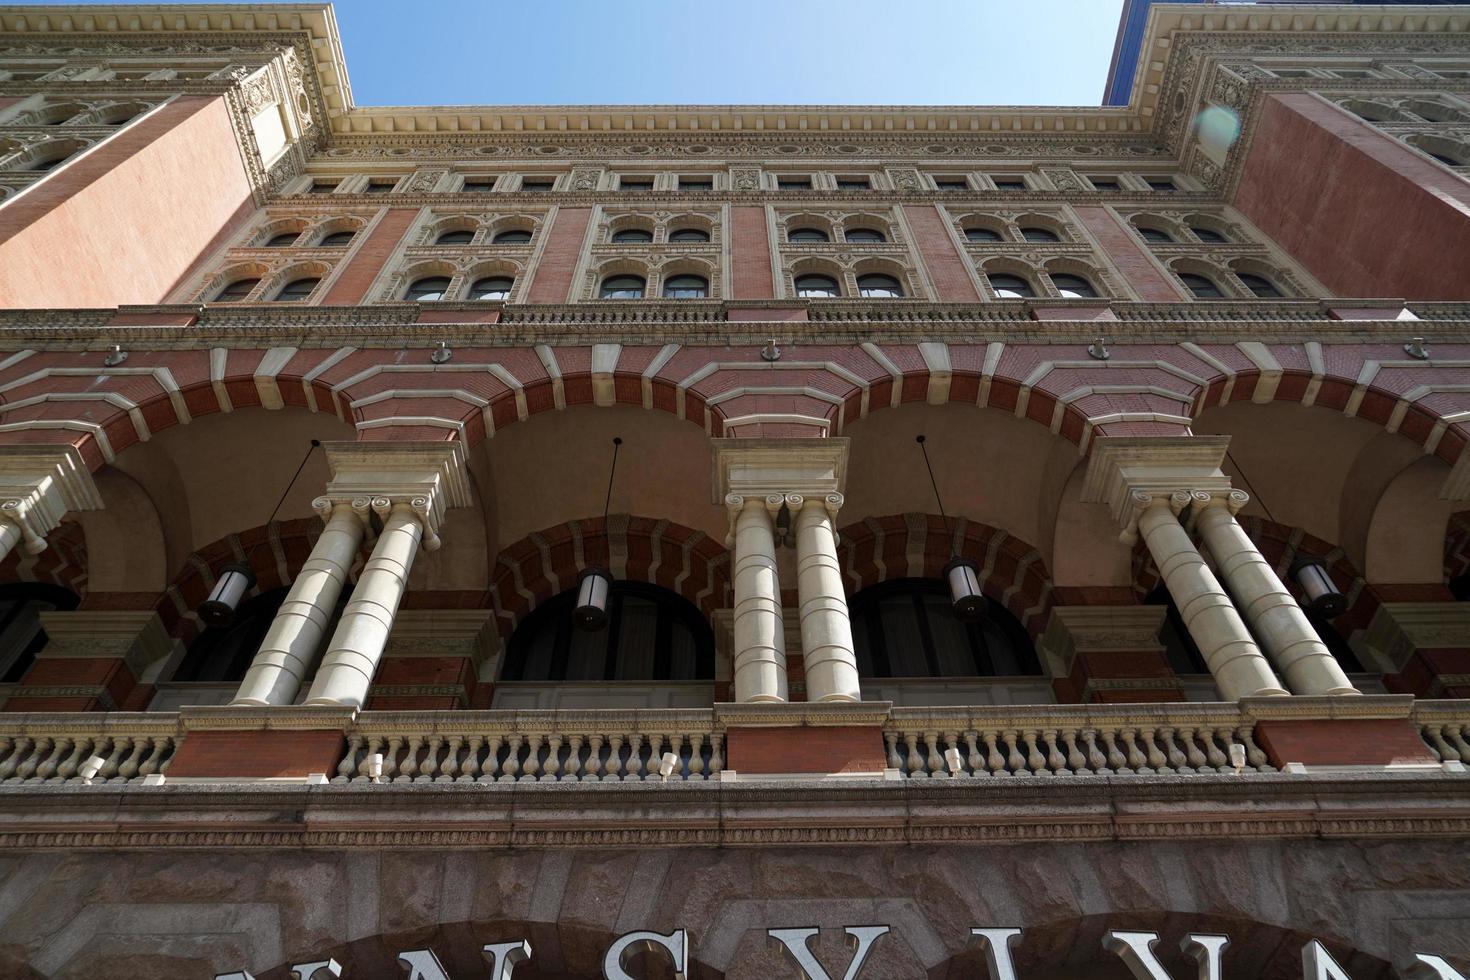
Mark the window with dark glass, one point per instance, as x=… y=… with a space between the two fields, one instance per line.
x=688 y=235
x=321 y=187
x=652 y=635
x=457 y=237
x=1443 y=158
x=908 y=628
x=21 y=635
x=338 y=238
x=236 y=291
x=222 y=654
x=853 y=184
x=794 y=183
x=635 y=184
x=1011 y=287
x=817 y=287
x=807 y=235
x=952 y=183
x=1162 y=184
x=380 y=187
x=492 y=287
x=696 y=183
x=512 y=237
x=478 y=186
x=428 y=289
x=1201 y=286
x=1208 y=235
x=632 y=236
x=1156 y=236
x=537 y=186
x=297 y=290
x=1034 y=234
x=1104 y=183
x=879 y=286
x=48 y=163
x=622 y=287
x=282 y=240
x=983 y=235
x=1073 y=287
x=1009 y=184
x=1262 y=287
x=686 y=287
x=865 y=235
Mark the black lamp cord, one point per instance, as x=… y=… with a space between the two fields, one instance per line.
x=314 y=444
x=948 y=529
x=607 y=501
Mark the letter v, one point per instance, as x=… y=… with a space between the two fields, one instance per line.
x=795 y=941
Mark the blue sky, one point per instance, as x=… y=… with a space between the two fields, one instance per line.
x=986 y=52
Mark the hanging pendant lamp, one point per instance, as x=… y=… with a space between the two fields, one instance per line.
x=961 y=574
x=1318 y=590
x=594 y=583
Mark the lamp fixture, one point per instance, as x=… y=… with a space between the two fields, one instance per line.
x=594 y=583
x=441 y=353
x=1320 y=593
x=1098 y=349
x=115 y=356
x=1415 y=348
x=961 y=574
x=771 y=352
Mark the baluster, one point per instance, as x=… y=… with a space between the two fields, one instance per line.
x=634 y=770
x=359 y=771
x=531 y=767
x=592 y=771
x=1117 y=761
x=1054 y=760
x=1015 y=762
x=1035 y=761
x=1456 y=737
x=655 y=756
x=1156 y=759
x=572 y=770
x=410 y=765
x=916 y=768
x=994 y=761
x=390 y=758
x=129 y=767
x=1443 y=752
x=348 y=765
x=1076 y=761
x=492 y=760
x=169 y=748
x=716 y=759
x=551 y=771
x=1196 y=758
x=894 y=762
x=469 y=769
x=974 y=758
x=613 y=768
x=48 y=768
x=1096 y=761
x=450 y=768
x=696 y=755
x=1137 y=761
x=1175 y=757
x=114 y=759
x=154 y=762
x=18 y=751
x=1253 y=753
x=936 y=758
x=512 y=763
x=1213 y=754
x=78 y=753
x=430 y=765
x=37 y=756
x=952 y=741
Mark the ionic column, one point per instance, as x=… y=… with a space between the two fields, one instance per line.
x=286 y=654
x=1267 y=605
x=760 y=645
x=352 y=656
x=826 y=632
x=1237 y=664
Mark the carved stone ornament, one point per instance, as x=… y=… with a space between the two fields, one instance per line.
x=745 y=180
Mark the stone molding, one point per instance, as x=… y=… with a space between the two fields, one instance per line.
x=1102 y=629
x=1128 y=473
x=778 y=467
x=468 y=633
x=773 y=714
x=39 y=485
x=430 y=477
x=138 y=638
x=291 y=717
x=1399 y=629
x=1319 y=707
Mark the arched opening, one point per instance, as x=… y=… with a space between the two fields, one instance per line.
x=906 y=628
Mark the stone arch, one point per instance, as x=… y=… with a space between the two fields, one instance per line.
x=273 y=283
x=1277 y=275
x=46 y=151
x=631 y=221
x=980 y=219
x=1454 y=149
x=1051 y=222
x=1228 y=285
x=545 y=563
x=807 y=219
x=871 y=221
x=331 y=225
x=512 y=222
x=690 y=220
x=1158 y=222
x=1095 y=274
x=906 y=275
x=398 y=284
x=278 y=226
x=443 y=223
x=1372 y=110
x=1434 y=110
x=1216 y=223
x=234 y=272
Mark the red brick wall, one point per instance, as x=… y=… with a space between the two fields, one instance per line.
x=1387 y=223
x=1128 y=254
x=1368 y=742
x=258 y=754
x=127 y=221
x=363 y=268
x=777 y=750
x=750 y=254
x=947 y=268
x=553 y=275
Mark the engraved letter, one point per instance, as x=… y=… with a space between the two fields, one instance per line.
x=633 y=942
x=503 y=958
x=422 y=965
x=1318 y=964
x=309 y=971
x=1136 y=951
x=997 y=945
x=1427 y=966
x=795 y=941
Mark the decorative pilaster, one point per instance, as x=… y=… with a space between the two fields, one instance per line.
x=38 y=486
x=433 y=660
x=93 y=660
x=1105 y=654
x=1428 y=644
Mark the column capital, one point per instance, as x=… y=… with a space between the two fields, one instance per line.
x=1129 y=473
x=39 y=485
x=764 y=467
x=430 y=477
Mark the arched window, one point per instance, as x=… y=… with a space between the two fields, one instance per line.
x=21 y=635
x=688 y=235
x=1443 y=158
x=222 y=654
x=1208 y=235
x=983 y=235
x=686 y=287
x=282 y=240
x=428 y=289
x=236 y=291
x=337 y=239
x=1262 y=287
x=865 y=236
x=807 y=235
x=1155 y=235
x=652 y=635
x=512 y=237
x=52 y=162
x=1072 y=287
x=1011 y=287
x=878 y=286
x=456 y=237
x=1202 y=286
x=1040 y=235
x=120 y=118
x=492 y=287
x=297 y=290
x=622 y=287
x=817 y=287
x=632 y=236
x=908 y=628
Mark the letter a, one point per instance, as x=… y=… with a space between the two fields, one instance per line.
x=1318 y=964
x=795 y=941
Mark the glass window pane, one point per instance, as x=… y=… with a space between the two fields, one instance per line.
x=637 y=638
x=901 y=637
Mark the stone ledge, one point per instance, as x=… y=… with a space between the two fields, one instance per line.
x=802 y=713
x=295 y=717
x=1300 y=707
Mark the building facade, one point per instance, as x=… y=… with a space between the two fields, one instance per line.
x=734 y=541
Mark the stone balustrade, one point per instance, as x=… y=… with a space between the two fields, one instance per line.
x=52 y=748
x=1070 y=740
x=532 y=746
x=1445 y=728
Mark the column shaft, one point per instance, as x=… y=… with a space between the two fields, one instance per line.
x=10 y=535
x=285 y=655
x=357 y=646
x=1268 y=606
x=760 y=643
x=1239 y=668
x=826 y=631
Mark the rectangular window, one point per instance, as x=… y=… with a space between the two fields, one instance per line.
x=853 y=184
x=379 y=187
x=794 y=183
x=951 y=183
x=1291 y=73
x=1164 y=185
x=1104 y=183
x=537 y=185
x=696 y=183
x=1346 y=73
x=635 y=183
x=1009 y=183
x=478 y=185
x=322 y=187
